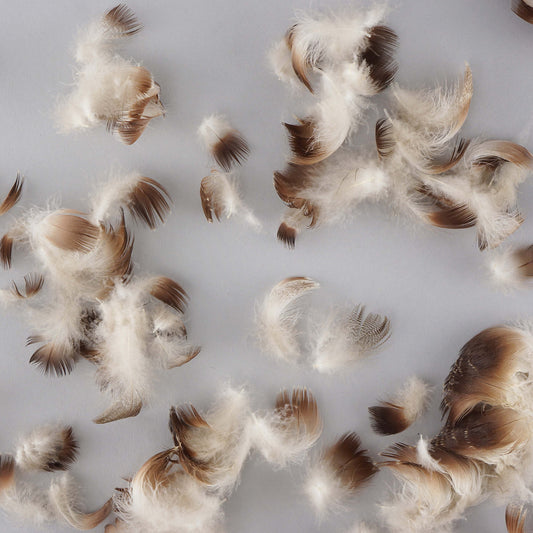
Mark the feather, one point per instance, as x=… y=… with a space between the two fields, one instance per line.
x=515 y=518
x=166 y=500
x=169 y=292
x=212 y=448
x=488 y=370
x=33 y=283
x=402 y=410
x=348 y=336
x=64 y=498
x=13 y=196
x=338 y=474
x=285 y=435
x=523 y=9
x=277 y=317
x=48 y=448
x=109 y=88
x=6 y=249
x=70 y=231
x=486 y=434
x=512 y=267
x=226 y=144
x=7 y=472
x=220 y=198
x=145 y=198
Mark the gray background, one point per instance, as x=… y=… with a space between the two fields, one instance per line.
x=211 y=56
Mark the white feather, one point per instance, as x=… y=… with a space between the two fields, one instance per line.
x=278 y=315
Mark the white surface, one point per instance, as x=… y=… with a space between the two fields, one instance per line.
x=210 y=56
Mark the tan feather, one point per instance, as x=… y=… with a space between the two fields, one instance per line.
x=13 y=196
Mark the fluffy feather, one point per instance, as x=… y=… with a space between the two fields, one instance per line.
x=338 y=474
x=145 y=198
x=277 y=317
x=346 y=337
x=511 y=267
x=285 y=435
x=402 y=410
x=64 y=498
x=48 y=448
x=212 y=448
x=226 y=144
x=220 y=197
x=107 y=87
x=161 y=498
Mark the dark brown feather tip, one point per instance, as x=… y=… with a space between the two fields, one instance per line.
x=169 y=292
x=33 y=283
x=515 y=518
x=287 y=235
x=7 y=471
x=122 y=19
x=304 y=146
x=66 y=455
x=459 y=149
x=208 y=197
x=231 y=149
x=352 y=465
x=385 y=142
x=6 y=250
x=455 y=217
x=51 y=359
x=13 y=196
x=301 y=409
x=387 y=419
x=182 y=419
x=379 y=56
x=524 y=11
x=300 y=64
x=149 y=202
x=524 y=259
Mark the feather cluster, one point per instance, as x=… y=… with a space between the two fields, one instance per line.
x=340 y=340
x=107 y=87
x=422 y=169
x=485 y=448
x=30 y=497
x=88 y=303
x=219 y=191
x=341 y=59
x=182 y=489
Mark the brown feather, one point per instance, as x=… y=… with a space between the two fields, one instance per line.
x=494 y=153
x=7 y=471
x=119 y=411
x=306 y=150
x=300 y=64
x=50 y=358
x=6 y=250
x=479 y=375
x=183 y=420
x=388 y=418
x=351 y=465
x=122 y=19
x=210 y=201
x=154 y=472
x=523 y=10
x=149 y=202
x=230 y=149
x=33 y=283
x=385 y=141
x=484 y=429
x=299 y=408
x=515 y=515
x=85 y=521
x=524 y=259
x=381 y=46
x=438 y=167
x=70 y=230
x=129 y=130
x=287 y=235
x=169 y=292
x=194 y=351
x=13 y=196
x=67 y=454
